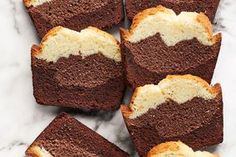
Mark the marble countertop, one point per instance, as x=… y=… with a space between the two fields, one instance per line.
x=21 y=119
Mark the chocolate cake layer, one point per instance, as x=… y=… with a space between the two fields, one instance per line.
x=92 y=83
x=67 y=137
x=198 y=123
x=76 y=15
x=208 y=7
x=150 y=60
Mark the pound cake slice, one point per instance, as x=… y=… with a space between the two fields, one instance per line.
x=78 y=70
x=208 y=7
x=74 y=14
x=176 y=149
x=160 y=43
x=180 y=107
x=67 y=137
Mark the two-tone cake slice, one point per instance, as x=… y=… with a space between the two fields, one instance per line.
x=160 y=42
x=74 y=14
x=67 y=137
x=176 y=149
x=208 y=7
x=78 y=69
x=180 y=107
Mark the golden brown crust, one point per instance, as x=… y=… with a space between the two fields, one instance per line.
x=201 y=18
x=27 y=3
x=204 y=20
x=217 y=38
x=33 y=151
x=124 y=33
x=30 y=3
x=37 y=49
x=136 y=91
x=51 y=33
x=164 y=147
x=171 y=147
x=126 y=111
x=37 y=151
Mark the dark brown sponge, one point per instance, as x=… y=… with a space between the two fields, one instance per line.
x=208 y=7
x=75 y=15
x=92 y=83
x=67 y=137
x=151 y=60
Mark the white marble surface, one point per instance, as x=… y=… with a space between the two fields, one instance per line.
x=21 y=119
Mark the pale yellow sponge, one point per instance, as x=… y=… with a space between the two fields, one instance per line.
x=62 y=42
x=171 y=27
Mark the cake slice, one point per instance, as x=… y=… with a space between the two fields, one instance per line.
x=74 y=14
x=180 y=107
x=208 y=7
x=78 y=70
x=176 y=149
x=67 y=137
x=160 y=43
